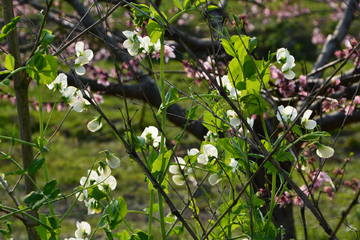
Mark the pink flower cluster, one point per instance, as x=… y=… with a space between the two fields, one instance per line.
x=349 y=44
x=282 y=11
x=286 y=87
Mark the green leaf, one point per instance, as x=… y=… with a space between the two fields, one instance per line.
x=140 y=13
x=8 y=28
x=253 y=43
x=161 y=160
x=33 y=197
x=46 y=38
x=9 y=62
x=35 y=166
x=116 y=212
x=178 y=4
x=253 y=103
x=178 y=230
x=229 y=48
x=96 y=193
x=315 y=135
x=154 y=30
x=18 y=172
x=229 y=147
x=212 y=7
x=171 y=96
x=109 y=234
x=192 y=112
x=124 y=235
x=5 y=82
x=44 y=68
x=49 y=187
x=187 y=3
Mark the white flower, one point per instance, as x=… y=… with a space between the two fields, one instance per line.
x=210 y=136
x=79 y=104
x=175 y=169
x=250 y=121
x=308 y=124
x=106 y=180
x=84 y=57
x=60 y=83
x=83 y=229
x=148 y=46
x=225 y=82
x=150 y=134
x=178 y=180
x=112 y=160
x=132 y=43
x=93 y=206
x=283 y=57
x=233 y=164
x=192 y=151
x=214 y=179
x=324 y=151
x=288 y=113
x=234 y=118
x=209 y=151
x=95 y=124
x=68 y=93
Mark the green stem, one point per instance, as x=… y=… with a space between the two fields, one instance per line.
x=162 y=142
x=19 y=141
x=264 y=127
x=150 y=211
x=23 y=212
x=51 y=113
x=41 y=129
x=272 y=206
x=16 y=71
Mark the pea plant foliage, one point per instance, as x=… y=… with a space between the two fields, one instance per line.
x=242 y=96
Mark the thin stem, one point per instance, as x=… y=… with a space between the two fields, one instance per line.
x=272 y=206
x=162 y=143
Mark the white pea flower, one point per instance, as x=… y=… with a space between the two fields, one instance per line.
x=84 y=57
x=68 y=94
x=175 y=169
x=178 y=180
x=60 y=83
x=112 y=160
x=83 y=229
x=132 y=43
x=93 y=206
x=80 y=103
x=192 y=151
x=324 y=151
x=234 y=118
x=286 y=68
x=209 y=151
x=210 y=136
x=214 y=179
x=233 y=164
x=288 y=113
x=85 y=182
x=95 y=124
x=226 y=84
x=106 y=180
x=150 y=134
x=308 y=123
x=283 y=57
x=250 y=121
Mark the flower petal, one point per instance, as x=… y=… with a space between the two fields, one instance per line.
x=214 y=179
x=79 y=48
x=325 y=151
x=178 y=180
x=310 y=124
x=80 y=70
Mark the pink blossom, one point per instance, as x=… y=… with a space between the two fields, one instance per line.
x=349 y=109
